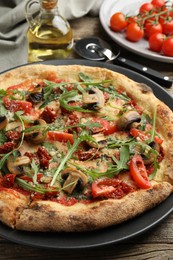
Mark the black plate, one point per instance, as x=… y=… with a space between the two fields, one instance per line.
x=107 y=236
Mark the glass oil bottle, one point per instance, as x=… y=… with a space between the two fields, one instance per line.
x=49 y=35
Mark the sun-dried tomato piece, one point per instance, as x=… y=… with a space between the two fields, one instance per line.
x=48 y=115
x=12 y=136
x=85 y=155
x=43 y=156
x=7 y=147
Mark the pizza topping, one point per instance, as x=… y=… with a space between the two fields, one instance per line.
x=17 y=105
x=94 y=99
x=13 y=135
x=61 y=136
x=99 y=141
x=49 y=115
x=73 y=179
x=127 y=119
x=139 y=172
x=7 y=147
x=36 y=134
x=15 y=165
x=44 y=157
x=3 y=122
x=110 y=188
x=36 y=96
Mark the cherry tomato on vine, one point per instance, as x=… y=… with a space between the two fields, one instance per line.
x=145 y=8
x=138 y=172
x=132 y=19
x=167 y=47
x=151 y=28
x=158 y=3
x=134 y=32
x=167 y=26
x=155 y=41
x=118 y=22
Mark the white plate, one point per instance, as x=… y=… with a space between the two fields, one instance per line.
x=130 y=7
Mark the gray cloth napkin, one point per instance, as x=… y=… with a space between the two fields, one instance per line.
x=13 y=27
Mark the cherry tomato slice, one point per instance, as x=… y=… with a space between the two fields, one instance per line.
x=17 y=105
x=60 y=136
x=138 y=133
x=103 y=187
x=139 y=172
x=106 y=127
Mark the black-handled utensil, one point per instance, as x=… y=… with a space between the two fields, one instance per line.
x=90 y=48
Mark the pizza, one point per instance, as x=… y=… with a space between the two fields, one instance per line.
x=81 y=148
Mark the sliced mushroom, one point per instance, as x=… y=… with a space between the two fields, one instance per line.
x=36 y=96
x=127 y=119
x=99 y=141
x=37 y=136
x=3 y=122
x=15 y=165
x=73 y=179
x=149 y=156
x=94 y=99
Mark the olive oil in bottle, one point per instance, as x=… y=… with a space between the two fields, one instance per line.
x=49 y=34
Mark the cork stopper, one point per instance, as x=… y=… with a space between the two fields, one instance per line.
x=49 y=4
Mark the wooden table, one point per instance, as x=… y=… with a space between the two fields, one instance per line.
x=155 y=244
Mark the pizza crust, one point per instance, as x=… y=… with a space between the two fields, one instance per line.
x=12 y=203
x=51 y=216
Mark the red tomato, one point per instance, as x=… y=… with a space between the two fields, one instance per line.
x=139 y=172
x=138 y=133
x=151 y=28
x=27 y=85
x=132 y=19
x=145 y=8
x=60 y=136
x=8 y=180
x=167 y=26
x=156 y=41
x=118 y=22
x=134 y=32
x=112 y=128
x=158 y=3
x=103 y=187
x=158 y=140
x=167 y=47
x=106 y=127
x=17 y=105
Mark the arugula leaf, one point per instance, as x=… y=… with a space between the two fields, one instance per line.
x=69 y=96
x=3 y=93
x=124 y=158
x=36 y=188
x=84 y=77
x=83 y=137
x=2 y=137
x=36 y=170
x=112 y=170
x=114 y=93
x=156 y=167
